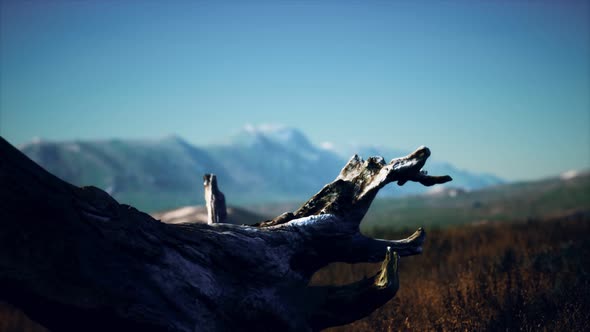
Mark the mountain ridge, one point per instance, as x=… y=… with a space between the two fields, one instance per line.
x=259 y=164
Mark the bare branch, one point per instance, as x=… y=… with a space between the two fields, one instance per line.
x=344 y=304
x=351 y=194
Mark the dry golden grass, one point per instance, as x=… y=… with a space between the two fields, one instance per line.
x=531 y=276
x=14 y=320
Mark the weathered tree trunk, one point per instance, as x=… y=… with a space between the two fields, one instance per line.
x=74 y=259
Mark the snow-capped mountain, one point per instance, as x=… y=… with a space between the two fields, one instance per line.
x=258 y=164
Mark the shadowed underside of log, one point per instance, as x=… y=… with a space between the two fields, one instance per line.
x=75 y=259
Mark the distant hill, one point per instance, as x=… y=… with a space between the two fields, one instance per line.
x=258 y=165
x=566 y=195
x=198 y=214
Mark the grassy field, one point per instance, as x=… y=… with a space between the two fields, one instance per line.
x=505 y=203
x=531 y=276
x=514 y=257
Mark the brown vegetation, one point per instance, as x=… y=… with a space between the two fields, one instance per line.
x=532 y=276
x=14 y=320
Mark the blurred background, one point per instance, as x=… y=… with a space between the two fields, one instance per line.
x=142 y=98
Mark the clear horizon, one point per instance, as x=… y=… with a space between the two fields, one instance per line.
x=501 y=88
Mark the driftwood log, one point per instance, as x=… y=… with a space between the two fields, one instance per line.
x=76 y=260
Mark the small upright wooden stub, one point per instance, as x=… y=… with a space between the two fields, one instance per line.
x=214 y=199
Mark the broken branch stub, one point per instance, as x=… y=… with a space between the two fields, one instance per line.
x=75 y=259
x=214 y=200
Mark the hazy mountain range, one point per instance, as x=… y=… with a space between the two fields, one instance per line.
x=260 y=164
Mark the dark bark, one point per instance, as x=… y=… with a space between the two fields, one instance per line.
x=75 y=259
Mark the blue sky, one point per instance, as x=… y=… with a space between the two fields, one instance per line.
x=500 y=87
